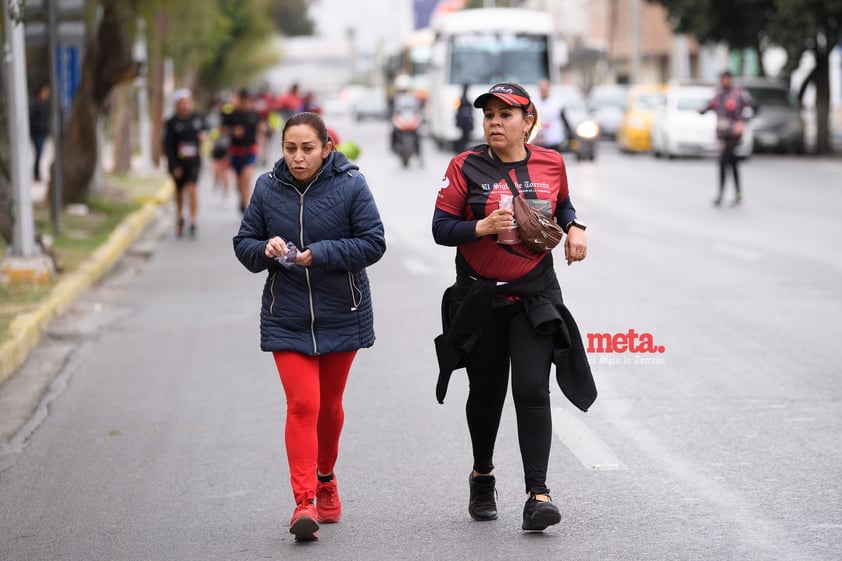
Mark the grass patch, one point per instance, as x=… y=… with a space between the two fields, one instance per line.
x=80 y=235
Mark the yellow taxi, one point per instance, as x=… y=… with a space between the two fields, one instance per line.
x=634 y=134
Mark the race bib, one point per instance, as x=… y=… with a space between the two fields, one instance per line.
x=187 y=150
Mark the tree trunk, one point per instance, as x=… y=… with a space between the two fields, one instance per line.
x=6 y=227
x=107 y=62
x=822 y=82
x=156 y=81
x=122 y=128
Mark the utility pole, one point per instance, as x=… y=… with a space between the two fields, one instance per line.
x=57 y=119
x=634 y=51
x=23 y=232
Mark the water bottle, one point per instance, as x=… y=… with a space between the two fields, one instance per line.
x=508 y=237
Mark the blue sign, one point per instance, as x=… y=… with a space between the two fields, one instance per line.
x=69 y=69
x=423 y=10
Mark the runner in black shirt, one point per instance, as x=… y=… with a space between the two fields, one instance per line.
x=242 y=126
x=183 y=134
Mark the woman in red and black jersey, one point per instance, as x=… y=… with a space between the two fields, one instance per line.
x=506 y=304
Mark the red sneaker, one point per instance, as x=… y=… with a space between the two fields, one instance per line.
x=303 y=523
x=328 y=505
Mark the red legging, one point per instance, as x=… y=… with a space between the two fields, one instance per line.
x=314 y=388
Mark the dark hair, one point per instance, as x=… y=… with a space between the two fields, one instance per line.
x=312 y=120
x=243 y=94
x=534 y=113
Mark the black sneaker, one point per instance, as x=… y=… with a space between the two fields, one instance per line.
x=483 y=502
x=537 y=515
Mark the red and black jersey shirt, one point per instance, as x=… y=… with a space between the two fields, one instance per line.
x=471 y=188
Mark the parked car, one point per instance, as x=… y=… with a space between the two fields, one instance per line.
x=635 y=128
x=778 y=124
x=606 y=104
x=678 y=129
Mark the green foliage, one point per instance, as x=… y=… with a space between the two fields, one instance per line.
x=291 y=17
x=791 y=24
x=740 y=23
x=796 y=25
x=221 y=44
x=241 y=46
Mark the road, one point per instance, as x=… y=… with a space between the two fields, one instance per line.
x=161 y=436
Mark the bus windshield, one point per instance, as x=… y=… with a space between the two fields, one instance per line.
x=491 y=57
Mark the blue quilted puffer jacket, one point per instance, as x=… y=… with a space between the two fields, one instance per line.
x=326 y=307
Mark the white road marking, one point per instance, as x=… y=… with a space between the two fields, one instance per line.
x=583 y=443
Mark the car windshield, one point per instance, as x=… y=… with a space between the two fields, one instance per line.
x=691 y=103
x=774 y=97
x=491 y=57
x=649 y=101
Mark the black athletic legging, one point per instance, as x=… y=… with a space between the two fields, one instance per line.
x=728 y=157
x=509 y=334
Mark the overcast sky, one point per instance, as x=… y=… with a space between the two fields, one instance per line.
x=372 y=19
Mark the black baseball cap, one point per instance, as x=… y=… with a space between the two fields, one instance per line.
x=509 y=93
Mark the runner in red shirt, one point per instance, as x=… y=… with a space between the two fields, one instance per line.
x=504 y=292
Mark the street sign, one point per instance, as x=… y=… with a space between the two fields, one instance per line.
x=68 y=70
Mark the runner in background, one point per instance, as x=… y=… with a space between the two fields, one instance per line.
x=219 y=151
x=183 y=134
x=242 y=126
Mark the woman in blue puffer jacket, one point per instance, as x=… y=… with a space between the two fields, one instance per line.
x=313 y=225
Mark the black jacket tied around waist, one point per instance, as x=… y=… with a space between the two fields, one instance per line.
x=466 y=308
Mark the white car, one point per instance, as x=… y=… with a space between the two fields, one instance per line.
x=679 y=130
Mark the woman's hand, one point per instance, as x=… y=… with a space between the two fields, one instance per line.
x=304 y=258
x=499 y=220
x=275 y=247
x=575 y=246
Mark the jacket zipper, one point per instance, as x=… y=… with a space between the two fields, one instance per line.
x=272 y=292
x=306 y=269
x=355 y=304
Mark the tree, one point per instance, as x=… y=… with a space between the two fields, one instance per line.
x=6 y=226
x=291 y=17
x=814 y=26
x=795 y=25
x=241 y=49
x=740 y=23
x=214 y=44
x=107 y=62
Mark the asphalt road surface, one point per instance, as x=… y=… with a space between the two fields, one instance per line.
x=161 y=437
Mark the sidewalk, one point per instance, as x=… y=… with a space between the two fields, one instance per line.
x=26 y=331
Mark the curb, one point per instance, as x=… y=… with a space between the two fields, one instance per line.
x=26 y=330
